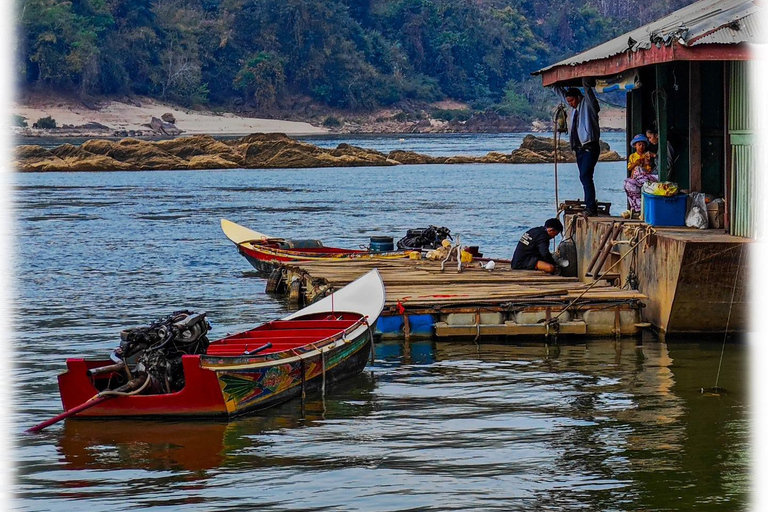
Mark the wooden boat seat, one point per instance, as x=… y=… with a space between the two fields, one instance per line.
x=304 y=334
x=237 y=349
x=284 y=335
x=308 y=324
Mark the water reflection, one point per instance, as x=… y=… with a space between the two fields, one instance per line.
x=196 y=445
x=441 y=425
x=597 y=425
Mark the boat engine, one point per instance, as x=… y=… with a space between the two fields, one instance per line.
x=426 y=238
x=157 y=349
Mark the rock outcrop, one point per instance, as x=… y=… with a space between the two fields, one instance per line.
x=258 y=151
x=542 y=150
x=164 y=127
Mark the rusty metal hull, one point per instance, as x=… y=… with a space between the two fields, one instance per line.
x=696 y=280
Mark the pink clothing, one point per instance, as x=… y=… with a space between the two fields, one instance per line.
x=634 y=186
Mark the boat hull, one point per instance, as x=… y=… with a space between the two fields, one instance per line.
x=263 y=252
x=263 y=258
x=222 y=387
x=320 y=345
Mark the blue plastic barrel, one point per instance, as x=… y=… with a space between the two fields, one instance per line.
x=389 y=324
x=382 y=244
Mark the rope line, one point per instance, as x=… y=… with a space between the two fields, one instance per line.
x=728 y=321
x=649 y=233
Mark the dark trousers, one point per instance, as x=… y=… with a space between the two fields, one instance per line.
x=586 y=159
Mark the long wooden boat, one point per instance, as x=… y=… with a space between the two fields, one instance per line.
x=262 y=250
x=319 y=345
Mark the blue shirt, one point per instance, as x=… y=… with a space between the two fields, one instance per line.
x=588 y=128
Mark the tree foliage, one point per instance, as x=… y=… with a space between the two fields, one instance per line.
x=354 y=54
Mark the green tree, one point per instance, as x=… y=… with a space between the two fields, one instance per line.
x=179 y=77
x=262 y=78
x=60 y=42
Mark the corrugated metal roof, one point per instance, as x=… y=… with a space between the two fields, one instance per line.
x=749 y=29
x=704 y=22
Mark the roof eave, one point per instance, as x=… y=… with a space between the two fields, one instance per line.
x=636 y=59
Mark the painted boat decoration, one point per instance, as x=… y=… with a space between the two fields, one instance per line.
x=170 y=369
x=262 y=250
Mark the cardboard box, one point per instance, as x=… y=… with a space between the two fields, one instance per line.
x=716 y=213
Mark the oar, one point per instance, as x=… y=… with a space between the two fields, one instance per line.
x=137 y=383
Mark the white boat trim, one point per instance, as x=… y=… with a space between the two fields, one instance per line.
x=239 y=234
x=365 y=296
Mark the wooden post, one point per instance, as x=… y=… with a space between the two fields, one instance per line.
x=599 y=249
x=303 y=385
x=661 y=118
x=694 y=127
x=606 y=249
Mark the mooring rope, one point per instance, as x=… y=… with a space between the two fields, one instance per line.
x=631 y=250
x=322 y=359
x=728 y=321
x=557 y=186
x=560 y=126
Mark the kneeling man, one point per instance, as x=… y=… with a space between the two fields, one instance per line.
x=532 y=252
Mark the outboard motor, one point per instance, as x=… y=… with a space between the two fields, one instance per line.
x=426 y=238
x=157 y=349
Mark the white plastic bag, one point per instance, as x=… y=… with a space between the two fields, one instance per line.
x=697 y=214
x=696 y=218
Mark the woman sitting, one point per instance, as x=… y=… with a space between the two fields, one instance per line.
x=639 y=166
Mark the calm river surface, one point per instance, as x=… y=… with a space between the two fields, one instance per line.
x=437 y=425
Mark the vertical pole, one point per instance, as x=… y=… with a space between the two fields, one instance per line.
x=557 y=197
x=303 y=385
x=661 y=119
x=694 y=127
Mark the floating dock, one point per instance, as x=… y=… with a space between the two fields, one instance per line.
x=423 y=300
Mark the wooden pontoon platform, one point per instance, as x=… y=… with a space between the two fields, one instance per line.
x=422 y=299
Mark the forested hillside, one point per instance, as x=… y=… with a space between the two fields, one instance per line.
x=349 y=54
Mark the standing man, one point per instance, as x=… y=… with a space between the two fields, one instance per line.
x=584 y=137
x=532 y=251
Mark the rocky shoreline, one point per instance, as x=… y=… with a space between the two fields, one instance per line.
x=257 y=151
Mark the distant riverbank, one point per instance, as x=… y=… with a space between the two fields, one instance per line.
x=133 y=117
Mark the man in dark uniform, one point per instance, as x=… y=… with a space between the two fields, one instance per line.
x=532 y=251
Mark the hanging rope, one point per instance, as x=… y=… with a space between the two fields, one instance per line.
x=632 y=248
x=561 y=126
x=728 y=321
x=656 y=95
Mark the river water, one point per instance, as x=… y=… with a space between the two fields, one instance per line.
x=434 y=425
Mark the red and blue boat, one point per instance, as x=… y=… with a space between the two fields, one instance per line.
x=263 y=251
x=169 y=369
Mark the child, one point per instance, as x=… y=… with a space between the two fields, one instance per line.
x=639 y=165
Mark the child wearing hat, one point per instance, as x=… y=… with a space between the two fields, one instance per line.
x=639 y=165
